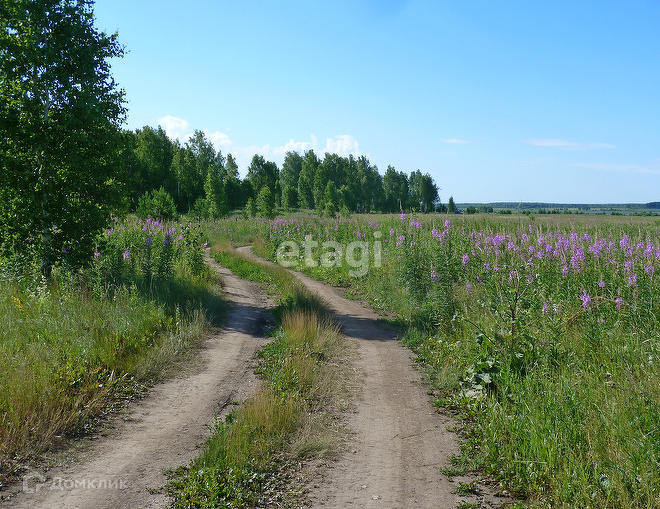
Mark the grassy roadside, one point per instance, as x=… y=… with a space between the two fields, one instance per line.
x=73 y=348
x=249 y=459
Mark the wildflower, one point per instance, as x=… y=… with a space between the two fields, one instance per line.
x=96 y=254
x=391 y=231
x=632 y=280
x=545 y=309
x=447 y=223
x=466 y=259
x=126 y=255
x=434 y=275
x=403 y=216
x=649 y=270
x=601 y=284
x=468 y=287
x=619 y=302
x=149 y=241
x=586 y=301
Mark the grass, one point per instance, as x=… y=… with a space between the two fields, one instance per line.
x=552 y=362
x=72 y=347
x=292 y=417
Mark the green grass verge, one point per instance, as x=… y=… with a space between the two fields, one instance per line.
x=70 y=350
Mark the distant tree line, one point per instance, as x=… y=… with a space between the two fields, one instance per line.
x=166 y=177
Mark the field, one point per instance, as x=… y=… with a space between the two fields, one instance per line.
x=539 y=332
x=542 y=333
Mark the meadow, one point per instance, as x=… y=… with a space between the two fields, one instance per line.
x=540 y=332
x=85 y=341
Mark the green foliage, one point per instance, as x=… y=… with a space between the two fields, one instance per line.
x=265 y=203
x=71 y=344
x=59 y=137
x=156 y=204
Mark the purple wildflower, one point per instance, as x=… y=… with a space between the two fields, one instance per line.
x=586 y=301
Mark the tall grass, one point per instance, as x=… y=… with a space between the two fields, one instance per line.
x=72 y=345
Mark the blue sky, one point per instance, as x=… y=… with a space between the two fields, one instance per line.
x=499 y=101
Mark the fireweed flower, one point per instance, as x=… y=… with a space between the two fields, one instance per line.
x=619 y=302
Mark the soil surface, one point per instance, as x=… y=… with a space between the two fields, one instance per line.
x=125 y=467
x=398 y=442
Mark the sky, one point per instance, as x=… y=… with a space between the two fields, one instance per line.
x=498 y=101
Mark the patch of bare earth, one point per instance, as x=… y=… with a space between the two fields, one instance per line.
x=125 y=467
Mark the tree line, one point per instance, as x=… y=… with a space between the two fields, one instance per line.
x=167 y=177
x=67 y=164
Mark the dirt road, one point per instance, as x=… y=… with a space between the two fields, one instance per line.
x=392 y=462
x=124 y=469
x=400 y=440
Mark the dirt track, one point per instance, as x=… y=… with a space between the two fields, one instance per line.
x=163 y=430
x=399 y=440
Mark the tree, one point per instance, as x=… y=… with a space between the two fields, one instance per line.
x=216 y=199
x=157 y=204
x=154 y=152
x=451 y=206
x=289 y=197
x=306 y=180
x=233 y=189
x=266 y=203
x=291 y=168
x=428 y=192
x=330 y=199
x=60 y=135
x=395 y=187
x=262 y=173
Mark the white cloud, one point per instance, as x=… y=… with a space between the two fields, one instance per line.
x=456 y=141
x=619 y=168
x=179 y=129
x=342 y=145
x=558 y=143
x=296 y=146
x=176 y=128
x=220 y=140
